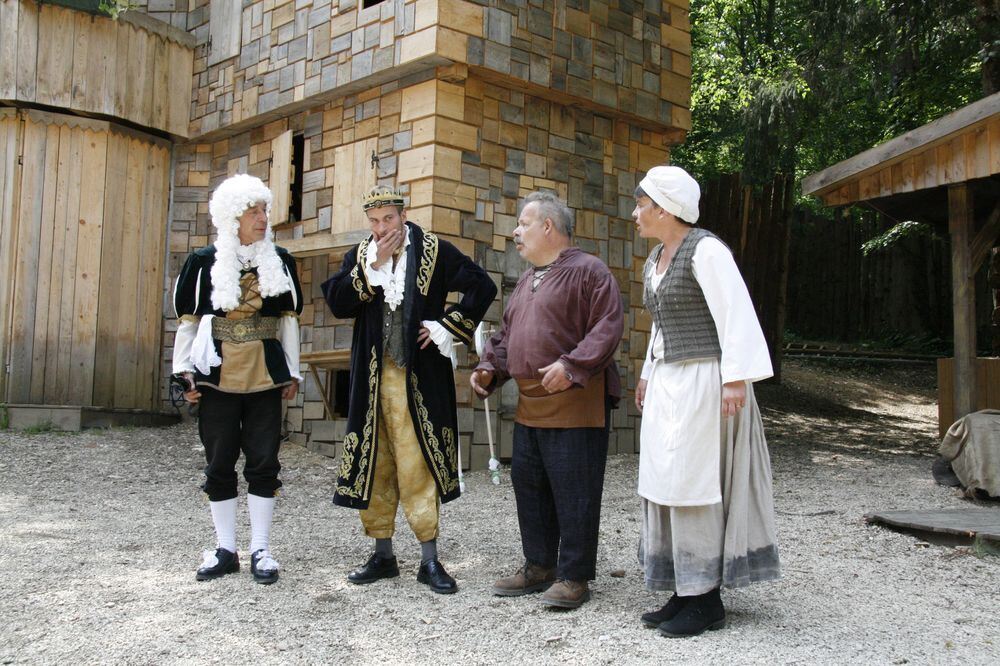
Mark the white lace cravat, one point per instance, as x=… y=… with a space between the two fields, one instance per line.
x=391 y=278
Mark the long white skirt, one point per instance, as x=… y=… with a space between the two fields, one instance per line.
x=732 y=543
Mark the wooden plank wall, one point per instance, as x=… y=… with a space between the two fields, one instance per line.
x=86 y=277
x=62 y=58
x=755 y=223
x=987 y=389
x=10 y=135
x=972 y=153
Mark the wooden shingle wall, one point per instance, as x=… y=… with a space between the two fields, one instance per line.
x=624 y=57
x=127 y=69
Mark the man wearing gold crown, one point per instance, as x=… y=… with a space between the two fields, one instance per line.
x=402 y=431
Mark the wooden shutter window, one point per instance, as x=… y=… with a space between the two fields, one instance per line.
x=353 y=176
x=281 y=169
x=224 y=29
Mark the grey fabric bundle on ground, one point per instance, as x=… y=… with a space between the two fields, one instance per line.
x=694 y=549
x=972 y=446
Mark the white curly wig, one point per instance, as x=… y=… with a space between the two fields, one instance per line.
x=231 y=198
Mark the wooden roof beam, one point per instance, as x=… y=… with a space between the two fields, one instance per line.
x=938 y=131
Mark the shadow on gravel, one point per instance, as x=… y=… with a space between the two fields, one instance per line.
x=824 y=409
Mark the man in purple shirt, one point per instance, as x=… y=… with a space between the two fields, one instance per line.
x=561 y=328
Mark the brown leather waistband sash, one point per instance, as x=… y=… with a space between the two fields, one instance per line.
x=575 y=407
x=244 y=330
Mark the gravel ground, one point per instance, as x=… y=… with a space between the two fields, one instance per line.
x=101 y=533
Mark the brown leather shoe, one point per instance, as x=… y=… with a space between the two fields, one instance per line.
x=567 y=594
x=529 y=578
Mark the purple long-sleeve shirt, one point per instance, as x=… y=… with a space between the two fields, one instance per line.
x=575 y=315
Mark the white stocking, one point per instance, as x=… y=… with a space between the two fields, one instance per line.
x=261 y=512
x=224 y=518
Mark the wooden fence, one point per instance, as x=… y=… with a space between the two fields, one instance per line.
x=835 y=292
x=754 y=222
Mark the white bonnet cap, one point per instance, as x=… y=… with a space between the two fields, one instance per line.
x=674 y=190
x=233 y=196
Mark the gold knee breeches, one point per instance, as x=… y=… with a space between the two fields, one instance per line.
x=401 y=473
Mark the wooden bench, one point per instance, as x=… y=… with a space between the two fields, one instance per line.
x=329 y=360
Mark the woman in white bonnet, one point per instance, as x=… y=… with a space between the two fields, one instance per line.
x=707 y=510
x=237 y=347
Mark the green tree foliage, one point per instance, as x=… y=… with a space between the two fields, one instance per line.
x=793 y=86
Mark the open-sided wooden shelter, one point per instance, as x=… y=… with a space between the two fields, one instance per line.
x=946 y=173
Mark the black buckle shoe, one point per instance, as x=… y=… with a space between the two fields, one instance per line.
x=265 y=576
x=225 y=563
x=432 y=574
x=376 y=568
x=653 y=619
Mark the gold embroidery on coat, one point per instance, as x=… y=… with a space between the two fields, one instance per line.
x=365 y=292
x=361 y=481
x=427 y=262
x=430 y=442
x=462 y=320
x=359 y=285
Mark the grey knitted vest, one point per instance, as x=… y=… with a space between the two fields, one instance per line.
x=392 y=334
x=678 y=305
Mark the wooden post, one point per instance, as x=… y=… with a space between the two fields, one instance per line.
x=960 y=217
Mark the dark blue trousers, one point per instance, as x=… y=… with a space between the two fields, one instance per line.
x=558 y=479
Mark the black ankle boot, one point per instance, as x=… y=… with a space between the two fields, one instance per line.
x=653 y=619
x=702 y=613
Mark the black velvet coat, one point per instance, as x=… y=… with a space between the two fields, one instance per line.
x=434 y=268
x=193 y=298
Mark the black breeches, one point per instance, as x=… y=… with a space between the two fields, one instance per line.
x=232 y=422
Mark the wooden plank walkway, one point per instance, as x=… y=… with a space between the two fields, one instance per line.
x=968 y=523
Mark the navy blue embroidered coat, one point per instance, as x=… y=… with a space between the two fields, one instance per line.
x=434 y=268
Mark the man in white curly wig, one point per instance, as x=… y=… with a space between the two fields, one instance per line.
x=237 y=347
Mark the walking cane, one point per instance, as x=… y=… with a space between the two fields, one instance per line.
x=480 y=338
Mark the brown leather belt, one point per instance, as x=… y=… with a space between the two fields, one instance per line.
x=576 y=407
x=245 y=330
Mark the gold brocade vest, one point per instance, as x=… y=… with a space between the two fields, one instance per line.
x=244 y=369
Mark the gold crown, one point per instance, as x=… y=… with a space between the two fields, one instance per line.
x=381 y=195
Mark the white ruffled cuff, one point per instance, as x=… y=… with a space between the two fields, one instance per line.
x=377 y=277
x=444 y=340
x=183 y=341
x=288 y=334
x=383 y=277
x=203 y=351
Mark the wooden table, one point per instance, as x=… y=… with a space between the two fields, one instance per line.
x=333 y=359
